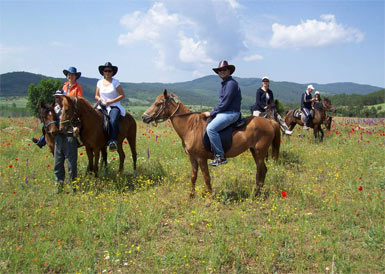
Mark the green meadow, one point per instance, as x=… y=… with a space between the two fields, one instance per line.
x=321 y=209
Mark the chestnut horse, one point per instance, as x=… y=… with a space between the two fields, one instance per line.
x=91 y=130
x=257 y=135
x=315 y=122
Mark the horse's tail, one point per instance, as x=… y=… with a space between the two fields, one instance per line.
x=276 y=140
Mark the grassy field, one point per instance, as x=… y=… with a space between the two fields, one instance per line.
x=321 y=210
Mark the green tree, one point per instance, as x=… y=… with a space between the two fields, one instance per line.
x=42 y=93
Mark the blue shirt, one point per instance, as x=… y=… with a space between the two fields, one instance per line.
x=229 y=97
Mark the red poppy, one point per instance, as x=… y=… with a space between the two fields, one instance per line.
x=15 y=191
x=284 y=194
x=113 y=158
x=360 y=188
x=81 y=153
x=48 y=166
x=10 y=166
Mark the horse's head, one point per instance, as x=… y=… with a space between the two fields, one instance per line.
x=164 y=107
x=327 y=105
x=49 y=118
x=328 y=122
x=67 y=114
x=272 y=110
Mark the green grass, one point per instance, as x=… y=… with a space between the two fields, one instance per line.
x=147 y=224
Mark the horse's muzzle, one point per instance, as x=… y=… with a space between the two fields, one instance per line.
x=147 y=118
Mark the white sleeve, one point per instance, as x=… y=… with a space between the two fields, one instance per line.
x=116 y=83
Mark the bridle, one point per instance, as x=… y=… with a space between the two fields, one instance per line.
x=75 y=117
x=155 y=117
x=42 y=118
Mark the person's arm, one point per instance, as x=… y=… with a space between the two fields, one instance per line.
x=97 y=95
x=79 y=92
x=259 y=103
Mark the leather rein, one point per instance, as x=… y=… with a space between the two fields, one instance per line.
x=157 y=119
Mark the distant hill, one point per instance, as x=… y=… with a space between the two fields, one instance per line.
x=201 y=91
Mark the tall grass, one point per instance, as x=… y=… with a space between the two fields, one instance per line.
x=321 y=209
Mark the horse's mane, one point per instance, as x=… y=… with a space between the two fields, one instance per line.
x=194 y=120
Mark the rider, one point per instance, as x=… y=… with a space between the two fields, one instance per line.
x=317 y=99
x=265 y=97
x=226 y=112
x=306 y=104
x=70 y=88
x=109 y=92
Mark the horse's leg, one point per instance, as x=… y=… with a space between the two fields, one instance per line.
x=194 y=175
x=261 y=169
x=104 y=157
x=132 y=141
x=322 y=134
x=122 y=156
x=206 y=174
x=96 y=162
x=90 y=156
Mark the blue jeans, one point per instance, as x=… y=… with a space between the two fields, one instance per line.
x=221 y=121
x=114 y=122
x=307 y=115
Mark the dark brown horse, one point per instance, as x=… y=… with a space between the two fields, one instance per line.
x=328 y=122
x=91 y=130
x=50 y=127
x=257 y=136
x=316 y=122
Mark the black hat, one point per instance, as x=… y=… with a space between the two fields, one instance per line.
x=224 y=64
x=108 y=64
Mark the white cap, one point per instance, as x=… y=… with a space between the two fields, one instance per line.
x=317 y=92
x=265 y=77
x=310 y=86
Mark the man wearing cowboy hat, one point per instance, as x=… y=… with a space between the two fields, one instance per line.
x=306 y=101
x=71 y=87
x=226 y=112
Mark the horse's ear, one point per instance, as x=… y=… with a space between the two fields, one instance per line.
x=165 y=93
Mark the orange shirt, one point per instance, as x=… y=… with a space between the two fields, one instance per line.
x=75 y=90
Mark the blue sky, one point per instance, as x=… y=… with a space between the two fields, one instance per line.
x=173 y=41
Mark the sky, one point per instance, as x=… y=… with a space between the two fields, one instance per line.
x=177 y=40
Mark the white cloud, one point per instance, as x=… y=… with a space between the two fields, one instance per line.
x=186 y=35
x=255 y=57
x=314 y=33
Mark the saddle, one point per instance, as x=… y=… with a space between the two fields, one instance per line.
x=226 y=134
x=298 y=114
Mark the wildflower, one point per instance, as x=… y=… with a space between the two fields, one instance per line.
x=10 y=166
x=284 y=194
x=48 y=166
x=360 y=188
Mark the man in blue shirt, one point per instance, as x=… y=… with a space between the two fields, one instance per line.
x=306 y=101
x=226 y=112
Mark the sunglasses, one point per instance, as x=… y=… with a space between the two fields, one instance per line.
x=266 y=81
x=107 y=70
x=223 y=69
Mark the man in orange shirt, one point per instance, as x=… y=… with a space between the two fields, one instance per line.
x=70 y=88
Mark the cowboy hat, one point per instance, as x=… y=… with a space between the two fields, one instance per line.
x=72 y=70
x=108 y=64
x=59 y=92
x=223 y=64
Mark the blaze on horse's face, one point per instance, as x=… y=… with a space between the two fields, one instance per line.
x=49 y=118
x=66 y=114
x=159 y=109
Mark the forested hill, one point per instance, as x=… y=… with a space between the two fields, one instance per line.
x=201 y=91
x=374 y=98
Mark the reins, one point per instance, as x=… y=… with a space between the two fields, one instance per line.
x=164 y=105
